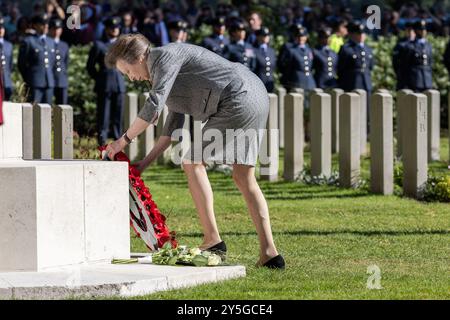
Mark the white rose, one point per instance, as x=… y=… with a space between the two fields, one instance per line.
x=214 y=260
x=195 y=251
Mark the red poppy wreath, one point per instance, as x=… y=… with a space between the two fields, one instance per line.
x=147 y=221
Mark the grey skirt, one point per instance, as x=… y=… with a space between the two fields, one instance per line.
x=233 y=135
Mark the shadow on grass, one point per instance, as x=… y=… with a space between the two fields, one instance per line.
x=368 y=233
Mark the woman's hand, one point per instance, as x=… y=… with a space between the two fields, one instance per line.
x=115 y=147
x=141 y=165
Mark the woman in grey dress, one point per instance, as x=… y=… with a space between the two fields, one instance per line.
x=192 y=80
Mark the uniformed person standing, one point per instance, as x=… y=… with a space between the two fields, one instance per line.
x=109 y=84
x=177 y=31
x=419 y=60
x=217 y=41
x=398 y=56
x=62 y=61
x=325 y=61
x=36 y=61
x=6 y=54
x=266 y=59
x=295 y=63
x=238 y=50
x=356 y=61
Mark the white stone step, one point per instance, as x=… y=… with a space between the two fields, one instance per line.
x=107 y=280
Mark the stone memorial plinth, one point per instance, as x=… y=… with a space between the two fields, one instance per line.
x=294 y=136
x=269 y=150
x=281 y=93
x=381 y=143
x=146 y=140
x=349 y=139
x=320 y=134
x=415 y=160
x=363 y=113
x=402 y=111
x=59 y=213
x=434 y=124
x=130 y=114
x=335 y=94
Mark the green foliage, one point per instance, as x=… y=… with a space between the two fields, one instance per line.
x=437 y=188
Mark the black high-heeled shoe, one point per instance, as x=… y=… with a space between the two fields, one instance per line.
x=276 y=262
x=220 y=249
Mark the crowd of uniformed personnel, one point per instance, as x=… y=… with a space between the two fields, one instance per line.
x=341 y=58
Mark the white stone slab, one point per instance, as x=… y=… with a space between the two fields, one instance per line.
x=109 y=280
x=106 y=185
x=11 y=131
x=58 y=213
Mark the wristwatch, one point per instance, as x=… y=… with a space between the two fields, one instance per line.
x=128 y=140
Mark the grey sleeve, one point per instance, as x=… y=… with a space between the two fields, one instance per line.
x=174 y=121
x=164 y=71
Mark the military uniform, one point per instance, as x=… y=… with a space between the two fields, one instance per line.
x=295 y=62
x=356 y=62
x=110 y=88
x=240 y=51
x=60 y=68
x=36 y=62
x=325 y=64
x=266 y=61
x=6 y=55
x=216 y=42
x=419 y=62
x=399 y=62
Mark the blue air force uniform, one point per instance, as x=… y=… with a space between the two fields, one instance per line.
x=61 y=64
x=36 y=62
x=295 y=64
x=356 y=62
x=266 y=60
x=325 y=67
x=419 y=59
x=60 y=71
x=110 y=88
x=325 y=62
x=399 y=62
x=6 y=58
x=216 y=43
x=241 y=52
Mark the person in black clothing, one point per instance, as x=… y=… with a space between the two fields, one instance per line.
x=109 y=84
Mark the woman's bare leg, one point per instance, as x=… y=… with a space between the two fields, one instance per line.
x=202 y=195
x=245 y=180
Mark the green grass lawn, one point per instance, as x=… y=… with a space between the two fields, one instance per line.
x=328 y=236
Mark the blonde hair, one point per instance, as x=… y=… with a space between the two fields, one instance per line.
x=129 y=48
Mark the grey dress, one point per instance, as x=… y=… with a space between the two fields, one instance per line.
x=192 y=80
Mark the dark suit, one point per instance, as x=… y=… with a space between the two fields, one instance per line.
x=6 y=58
x=36 y=62
x=215 y=43
x=60 y=72
x=266 y=61
x=295 y=64
x=325 y=67
x=110 y=88
x=419 y=61
x=447 y=57
x=354 y=67
x=399 y=62
x=241 y=52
